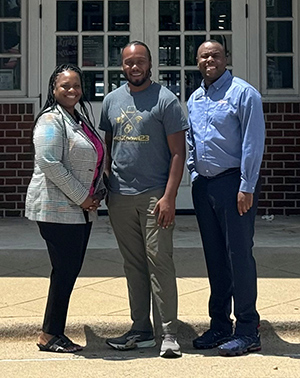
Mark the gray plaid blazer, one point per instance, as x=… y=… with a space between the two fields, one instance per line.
x=64 y=167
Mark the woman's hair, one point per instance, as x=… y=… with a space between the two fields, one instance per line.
x=51 y=100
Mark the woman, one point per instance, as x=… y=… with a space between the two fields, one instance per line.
x=64 y=193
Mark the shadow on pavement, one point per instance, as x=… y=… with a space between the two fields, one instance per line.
x=274 y=343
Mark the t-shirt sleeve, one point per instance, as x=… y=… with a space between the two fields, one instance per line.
x=105 y=123
x=174 y=119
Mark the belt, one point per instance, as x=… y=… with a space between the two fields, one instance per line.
x=225 y=173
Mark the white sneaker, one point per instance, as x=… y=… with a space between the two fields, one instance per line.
x=170 y=347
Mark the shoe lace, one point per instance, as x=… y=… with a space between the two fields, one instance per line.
x=241 y=340
x=170 y=338
x=213 y=333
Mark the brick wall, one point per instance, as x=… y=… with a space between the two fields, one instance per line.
x=15 y=157
x=280 y=193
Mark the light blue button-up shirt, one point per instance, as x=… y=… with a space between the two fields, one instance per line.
x=227 y=130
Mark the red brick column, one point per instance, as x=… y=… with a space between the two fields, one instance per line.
x=15 y=157
x=281 y=164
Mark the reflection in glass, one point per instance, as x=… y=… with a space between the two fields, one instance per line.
x=92 y=15
x=115 y=80
x=279 y=36
x=66 y=16
x=118 y=15
x=9 y=8
x=10 y=74
x=171 y=80
x=10 y=37
x=220 y=14
x=66 y=49
x=280 y=72
x=279 y=8
x=169 y=51
x=93 y=84
x=169 y=15
x=226 y=41
x=93 y=52
x=115 y=46
x=194 y=15
x=192 y=82
x=192 y=42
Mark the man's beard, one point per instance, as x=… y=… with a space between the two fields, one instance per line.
x=140 y=82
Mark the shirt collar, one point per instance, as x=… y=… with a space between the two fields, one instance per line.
x=219 y=82
x=215 y=85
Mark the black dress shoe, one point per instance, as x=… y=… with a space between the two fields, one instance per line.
x=211 y=339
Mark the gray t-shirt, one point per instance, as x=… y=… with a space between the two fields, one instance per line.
x=140 y=123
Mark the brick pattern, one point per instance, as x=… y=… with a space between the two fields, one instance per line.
x=16 y=161
x=280 y=194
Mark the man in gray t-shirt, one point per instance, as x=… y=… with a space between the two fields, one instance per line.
x=145 y=134
x=140 y=123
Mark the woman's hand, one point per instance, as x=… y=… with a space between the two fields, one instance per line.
x=90 y=204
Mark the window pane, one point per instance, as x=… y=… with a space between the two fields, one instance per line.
x=220 y=14
x=66 y=49
x=169 y=15
x=280 y=72
x=10 y=37
x=192 y=82
x=68 y=23
x=192 y=42
x=118 y=15
x=10 y=8
x=115 y=45
x=93 y=84
x=92 y=51
x=10 y=73
x=115 y=80
x=279 y=8
x=92 y=18
x=171 y=80
x=169 y=51
x=226 y=41
x=279 y=36
x=195 y=15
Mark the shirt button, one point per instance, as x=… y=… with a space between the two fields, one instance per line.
x=202 y=141
x=206 y=170
x=203 y=156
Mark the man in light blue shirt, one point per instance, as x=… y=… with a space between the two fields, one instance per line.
x=226 y=143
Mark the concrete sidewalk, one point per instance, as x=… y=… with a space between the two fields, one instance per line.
x=99 y=303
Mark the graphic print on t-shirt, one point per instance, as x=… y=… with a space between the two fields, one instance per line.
x=128 y=126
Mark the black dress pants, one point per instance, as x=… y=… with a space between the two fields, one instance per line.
x=227 y=241
x=66 y=245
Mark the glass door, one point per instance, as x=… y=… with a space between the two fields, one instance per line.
x=174 y=29
x=91 y=33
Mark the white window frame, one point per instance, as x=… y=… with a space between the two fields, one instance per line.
x=33 y=48
x=238 y=43
x=22 y=54
x=282 y=94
